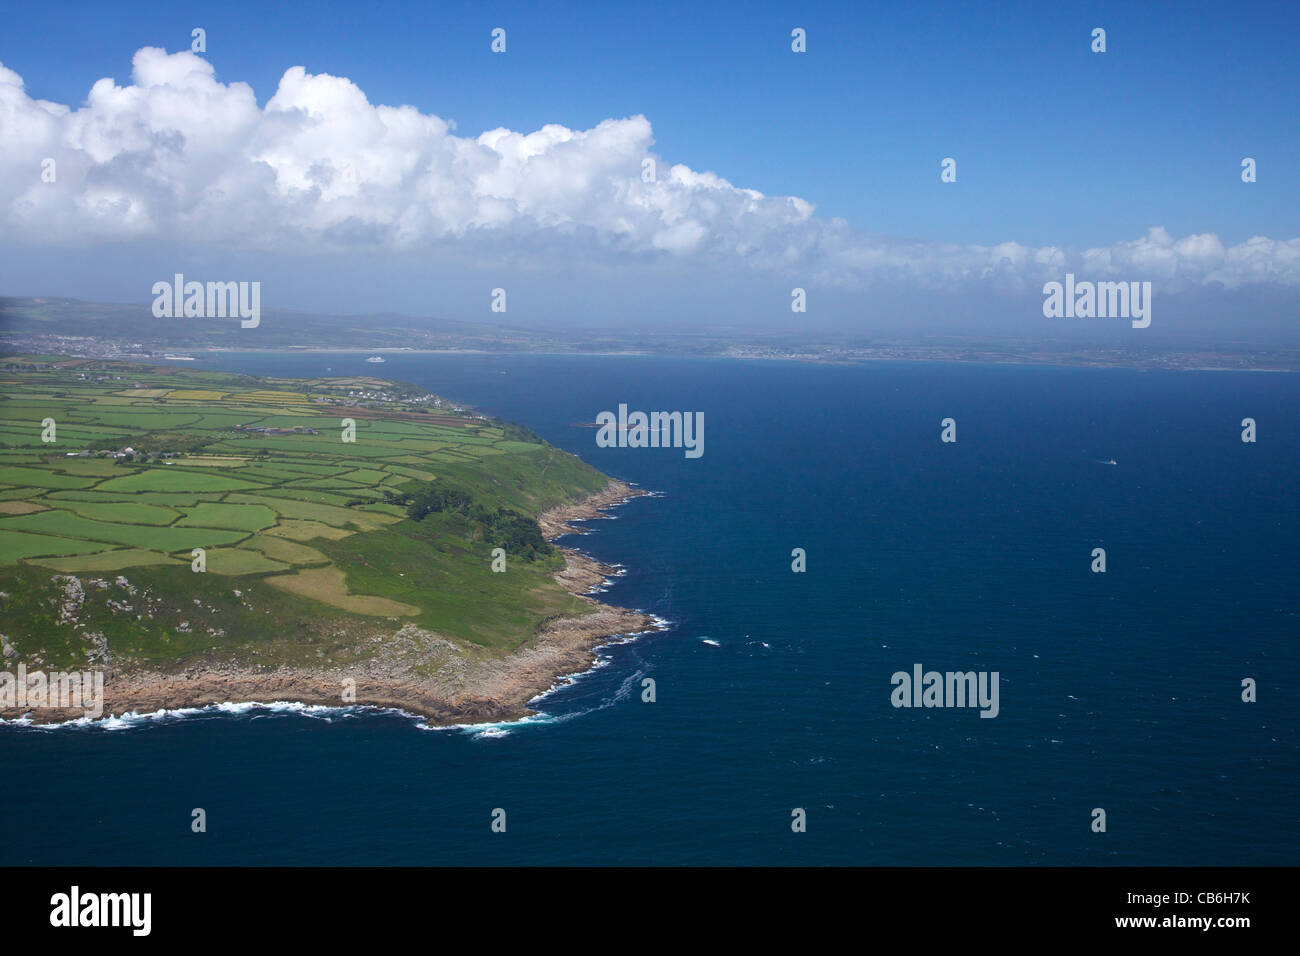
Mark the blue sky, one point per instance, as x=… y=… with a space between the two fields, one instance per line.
x=1054 y=143
x=1056 y=146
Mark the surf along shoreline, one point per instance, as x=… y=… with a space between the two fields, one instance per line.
x=464 y=689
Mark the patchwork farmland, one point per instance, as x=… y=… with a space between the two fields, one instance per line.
x=113 y=474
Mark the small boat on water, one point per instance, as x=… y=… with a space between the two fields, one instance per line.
x=375 y=359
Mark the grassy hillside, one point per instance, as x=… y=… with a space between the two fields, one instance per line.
x=310 y=553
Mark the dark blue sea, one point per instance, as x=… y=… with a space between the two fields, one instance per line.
x=1120 y=691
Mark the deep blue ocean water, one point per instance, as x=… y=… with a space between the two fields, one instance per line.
x=1119 y=690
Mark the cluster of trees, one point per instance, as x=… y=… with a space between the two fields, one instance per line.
x=153 y=443
x=516 y=432
x=433 y=498
x=500 y=527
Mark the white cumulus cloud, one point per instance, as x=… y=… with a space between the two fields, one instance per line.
x=179 y=156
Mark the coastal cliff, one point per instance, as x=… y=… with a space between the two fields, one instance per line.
x=415 y=670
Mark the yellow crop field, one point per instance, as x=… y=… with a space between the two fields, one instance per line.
x=195 y=394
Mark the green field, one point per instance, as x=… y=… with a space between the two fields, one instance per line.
x=106 y=560
x=132 y=512
x=215 y=514
x=307 y=544
x=161 y=478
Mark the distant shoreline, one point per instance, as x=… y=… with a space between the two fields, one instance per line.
x=93 y=349
x=1046 y=361
x=105 y=330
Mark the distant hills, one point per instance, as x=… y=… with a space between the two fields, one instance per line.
x=114 y=330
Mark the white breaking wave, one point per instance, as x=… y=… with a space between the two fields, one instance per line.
x=256 y=709
x=497 y=729
x=132 y=719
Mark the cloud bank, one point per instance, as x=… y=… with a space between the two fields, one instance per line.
x=178 y=156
